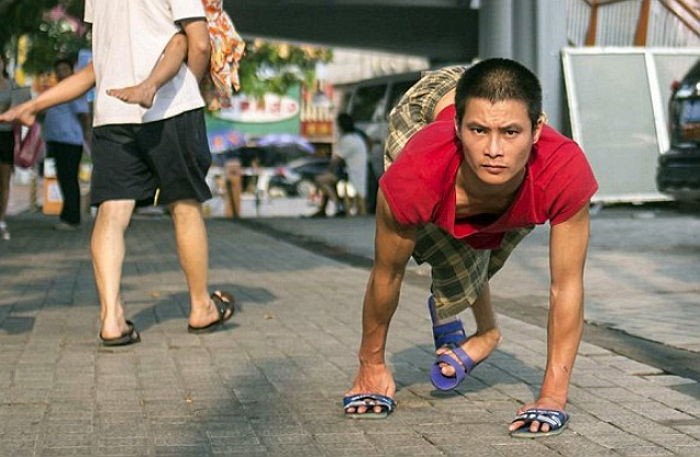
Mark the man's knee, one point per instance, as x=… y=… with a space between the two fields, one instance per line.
x=116 y=211
x=185 y=208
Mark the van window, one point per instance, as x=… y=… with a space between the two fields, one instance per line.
x=367 y=102
x=685 y=126
x=397 y=90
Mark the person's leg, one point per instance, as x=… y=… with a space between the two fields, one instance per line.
x=179 y=154
x=417 y=108
x=7 y=144
x=107 y=246
x=5 y=174
x=166 y=68
x=460 y=283
x=360 y=204
x=326 y=183
x=487 y=336
x=67 y=157
x=119 y=178
x=192 y=249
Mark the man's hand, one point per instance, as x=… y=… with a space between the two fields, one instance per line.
x=24 y=113
x=541 y=403
x=375 y=379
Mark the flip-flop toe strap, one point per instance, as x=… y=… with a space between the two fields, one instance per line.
x=443 y=382
x=369 y=400
x=555 y=419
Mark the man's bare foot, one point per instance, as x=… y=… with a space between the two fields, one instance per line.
x=113 y=326
x=202 y=317
x=142 y=94
x=478 y=347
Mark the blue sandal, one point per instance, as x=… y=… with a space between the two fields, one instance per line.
x=557 y=421
x=450 y=335
x=387 y=404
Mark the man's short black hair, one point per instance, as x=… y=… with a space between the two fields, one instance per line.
x=345 y=122
x=499 y=80
x=63 y=60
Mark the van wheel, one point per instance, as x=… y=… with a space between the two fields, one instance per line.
x=305 y=188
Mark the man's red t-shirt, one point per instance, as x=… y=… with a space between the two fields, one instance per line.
x=420 y=185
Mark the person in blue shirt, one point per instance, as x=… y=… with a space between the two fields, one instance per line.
x=65 y=128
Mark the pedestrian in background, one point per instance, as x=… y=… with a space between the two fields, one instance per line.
x=144 y=155
x=65 y=127
x=7 y=146
x=351 y=150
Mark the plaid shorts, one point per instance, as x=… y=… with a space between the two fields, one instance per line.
x=459 y=272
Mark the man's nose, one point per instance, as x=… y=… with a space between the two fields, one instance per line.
x=494 y=146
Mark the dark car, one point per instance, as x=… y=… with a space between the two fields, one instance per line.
x=262 y=156
x=678 y=172
x=298 y=176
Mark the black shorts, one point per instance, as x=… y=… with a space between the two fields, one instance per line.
x=131 y=161
x=7 y=147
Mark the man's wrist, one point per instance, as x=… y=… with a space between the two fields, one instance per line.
x=557 y=397
x=371 y=359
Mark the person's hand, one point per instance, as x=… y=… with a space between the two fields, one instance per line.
x=541 y=403
x=375 y=379
x=24 y=113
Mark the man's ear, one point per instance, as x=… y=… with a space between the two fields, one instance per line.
x=538 y=127
x=457 y=129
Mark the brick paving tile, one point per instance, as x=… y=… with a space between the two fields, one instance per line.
x=271 y=381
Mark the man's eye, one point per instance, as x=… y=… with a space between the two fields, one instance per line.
x=478 y=130
x=511 y=132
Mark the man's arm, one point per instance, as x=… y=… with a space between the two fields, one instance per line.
x=393 y=247
x=198 y=46
x=567 y=256
x=70 y=88
x=568 y=243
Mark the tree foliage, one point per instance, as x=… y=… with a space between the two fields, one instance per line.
x=275 y=67
x=266 y=66
x=48 y=38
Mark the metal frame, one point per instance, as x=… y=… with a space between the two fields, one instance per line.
x=658 y=110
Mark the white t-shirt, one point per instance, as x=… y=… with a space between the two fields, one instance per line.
x=128 y=38
x=353 y=149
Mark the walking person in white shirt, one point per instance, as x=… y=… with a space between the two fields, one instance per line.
x=139 y=153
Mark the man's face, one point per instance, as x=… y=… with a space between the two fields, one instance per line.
x=63 y=70
x=497 y=139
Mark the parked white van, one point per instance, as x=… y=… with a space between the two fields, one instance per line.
x=369 y=102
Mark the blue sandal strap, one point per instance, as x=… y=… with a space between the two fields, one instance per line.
x=353 y=401
x=555 y=419
x=442 y=382
x=463 y=357
x=449 y=333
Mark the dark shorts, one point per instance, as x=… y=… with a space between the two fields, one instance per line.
x=7 y=147
x=131 y=161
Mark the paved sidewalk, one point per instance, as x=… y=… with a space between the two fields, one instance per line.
x=642 y=271
x=271 y=382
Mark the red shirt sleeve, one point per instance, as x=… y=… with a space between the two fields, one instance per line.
x=410 y=202
x=414 y=183
x=572 y=184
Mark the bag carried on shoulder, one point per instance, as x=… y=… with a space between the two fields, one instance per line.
x=30 y=148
